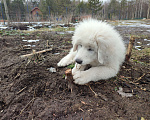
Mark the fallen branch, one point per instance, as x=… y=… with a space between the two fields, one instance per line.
x=39 y=52
x=130 y=46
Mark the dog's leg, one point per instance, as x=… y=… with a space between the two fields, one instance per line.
x=68 y=59
x=94 y=74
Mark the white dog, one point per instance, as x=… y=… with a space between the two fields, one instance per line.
x=98 y=45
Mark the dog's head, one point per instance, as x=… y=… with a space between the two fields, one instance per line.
x=92 y=42
x=90 y=50
x=96 y=43
x=86 y=51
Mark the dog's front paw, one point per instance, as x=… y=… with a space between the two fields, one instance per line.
x=64 y=62
x=80 y=78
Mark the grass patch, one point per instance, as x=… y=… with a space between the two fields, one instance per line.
x=13 y=33
x=71 y=66
x=36 y=30
x=62 y=29
x=137 y=56
x=143 y=52
x=57 y=29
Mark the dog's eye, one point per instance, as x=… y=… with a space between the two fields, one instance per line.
x=90 y=49
x=79 y=45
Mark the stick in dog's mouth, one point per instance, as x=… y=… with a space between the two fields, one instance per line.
x=88 y=66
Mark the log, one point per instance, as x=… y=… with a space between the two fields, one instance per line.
x=39 y=52
x=129 y=49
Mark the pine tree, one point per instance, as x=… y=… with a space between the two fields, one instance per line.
x=124 y=9
x=17 y=10
x=63 y=6
x=95 y=6
x=82 y=7
x=114 y=9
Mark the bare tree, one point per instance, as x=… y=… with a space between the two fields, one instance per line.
x=141 y=8
x=148 y=2
x=6 y=11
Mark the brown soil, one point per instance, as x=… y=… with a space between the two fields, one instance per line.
x=28 y=90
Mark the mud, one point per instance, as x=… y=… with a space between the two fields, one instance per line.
x=28 y=90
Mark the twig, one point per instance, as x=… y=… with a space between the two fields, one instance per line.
x=81 y=109
x=17 y=75
x=27 y=55
x=21 y=90
x=96 y=95
x=26 y=106
x=99 y=94
x=141 y=77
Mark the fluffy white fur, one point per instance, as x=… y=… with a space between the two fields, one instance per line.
x=95 y=44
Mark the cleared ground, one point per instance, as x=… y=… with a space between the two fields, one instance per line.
x=28 y=90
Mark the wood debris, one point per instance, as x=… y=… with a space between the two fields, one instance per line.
x=69 y=78
x=34 y=52
x=129 y=49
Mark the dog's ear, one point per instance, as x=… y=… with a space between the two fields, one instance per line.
x=100 y=56
x=74 y=43
x=101 y=50
x=75 y=47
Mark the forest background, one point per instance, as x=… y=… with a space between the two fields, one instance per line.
x=20 y=10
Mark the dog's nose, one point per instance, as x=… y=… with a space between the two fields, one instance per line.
x=78 y=61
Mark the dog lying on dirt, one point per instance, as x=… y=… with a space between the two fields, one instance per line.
x=98 y=45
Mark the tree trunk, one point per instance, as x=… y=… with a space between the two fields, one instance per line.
x=141 y=8
x=148 y=10
x=6 y=11
x=136 y=10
